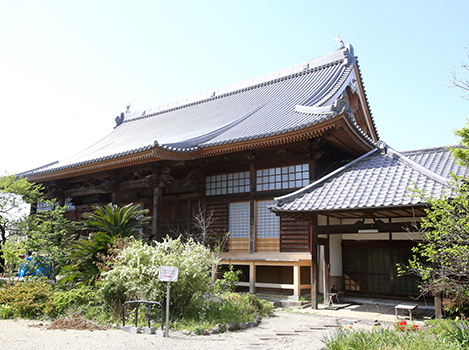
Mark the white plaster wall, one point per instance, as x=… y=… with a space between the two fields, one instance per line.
x=405 y=236
x=366 y=236
x=335 y=254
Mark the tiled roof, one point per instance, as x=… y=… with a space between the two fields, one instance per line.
x=381 y=178
x=251 y=110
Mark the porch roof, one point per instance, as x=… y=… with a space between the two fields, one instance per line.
x=274 y=105
x=382 y=179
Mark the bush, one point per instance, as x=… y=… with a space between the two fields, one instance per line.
x=457 y=303
x=227 y=307
x=28 y=299
x=80 y=299
x=135 y=274
x=5 y=312
x=387 y=338
x=454 y=330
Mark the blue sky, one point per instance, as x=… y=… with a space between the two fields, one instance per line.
x=68 y=68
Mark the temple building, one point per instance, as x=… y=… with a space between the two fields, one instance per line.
x=286 y=162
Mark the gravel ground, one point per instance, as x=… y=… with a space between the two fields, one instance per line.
x=19 y=335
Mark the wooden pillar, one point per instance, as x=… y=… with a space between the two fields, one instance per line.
x=314 y=261
x=157 y=202
x=114 y=197
x=61 y=201
x=438 y=313
x=296 y=280
x=326 y=270
x=252 y=277
x=252 y=214
x=252 y=231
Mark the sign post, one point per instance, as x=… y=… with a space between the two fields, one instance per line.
x=168 y=274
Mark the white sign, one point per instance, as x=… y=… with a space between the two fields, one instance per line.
x=168 y=274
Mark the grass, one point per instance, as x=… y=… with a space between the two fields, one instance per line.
x=39 y=299
x=439 y=335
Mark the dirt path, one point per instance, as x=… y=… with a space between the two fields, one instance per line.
x=18 y=335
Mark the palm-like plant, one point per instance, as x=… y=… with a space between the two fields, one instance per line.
x=118 y=221
x=110 y=222
x=84 y=255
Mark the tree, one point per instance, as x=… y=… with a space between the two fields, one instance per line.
x=15 y=194
x=49 y=234
x=462 y=153
x=111 y=223
x=118 y=221
x=461 y=83
x=441 y=260
x=11 y=251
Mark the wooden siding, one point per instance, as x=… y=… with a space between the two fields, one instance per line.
x=238 y=245
x=267 y=244
x=220 y=217
x=294 y=235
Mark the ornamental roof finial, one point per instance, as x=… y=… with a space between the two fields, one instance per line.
x=340 y=41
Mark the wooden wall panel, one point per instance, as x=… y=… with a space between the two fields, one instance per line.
x=294 y=235
x=238 y=245
x=267 y=244
x=220 y=217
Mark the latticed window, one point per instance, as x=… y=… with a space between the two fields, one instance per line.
x=239 y=220
x=41 y=206
x=227 y=183
x=280 y=178
x=268 y=224
x=69 y=204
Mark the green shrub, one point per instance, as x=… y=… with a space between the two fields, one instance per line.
x=229 y=280
x=80 y=299
x=28 y=299
x=457 y=303
x=135 y=274
x=454 y=330
x=227 y=307
x=5 y=312
x=205 y=311
x=387 y=338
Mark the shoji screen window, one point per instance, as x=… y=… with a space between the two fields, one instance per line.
x=294 y=176
x=238 y=226
x=267 y=227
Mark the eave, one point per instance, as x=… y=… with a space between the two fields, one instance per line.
x=355 y=145
x=417 y=210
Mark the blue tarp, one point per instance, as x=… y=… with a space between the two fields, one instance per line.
x=36 y=266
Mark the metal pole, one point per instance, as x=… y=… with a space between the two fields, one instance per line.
x=167 y=310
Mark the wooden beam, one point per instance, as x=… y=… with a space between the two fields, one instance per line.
x=252 y=277
x=378 y=225
x=314 y=262
x=326 y=270
x=157 y=202
x=296 y=280
x=438 y=313
x=252 y=232
x=133 y=185
x=85 y=191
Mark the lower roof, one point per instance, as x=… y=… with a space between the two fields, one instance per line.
x=381 y=183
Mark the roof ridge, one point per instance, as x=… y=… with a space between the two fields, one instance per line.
x=269 y=78
x=433 y=148
x=416 y=166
